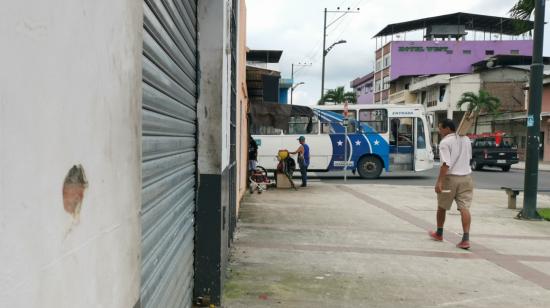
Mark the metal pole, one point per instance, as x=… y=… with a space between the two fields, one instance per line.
x=533 y=118
x=323 y=67
x=292 y=83
x=345 y=152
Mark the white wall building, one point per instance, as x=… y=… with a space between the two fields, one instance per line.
x=100 y=131
x=440 y=94
x=70 y=95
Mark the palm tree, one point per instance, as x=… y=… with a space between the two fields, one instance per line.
x=522 y=9
x=338 y=96
x=483 y=102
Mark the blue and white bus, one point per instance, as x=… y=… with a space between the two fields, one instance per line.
x=379 y=137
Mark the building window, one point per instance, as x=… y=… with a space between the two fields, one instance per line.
x=442 y=93
x=386 y=82
x=378 y=85
x=467 y=52
x=432 y=96
x=449 y=52
x=489 y=52
x=423 y=97
x=378 y=65
x=387 y=61
x=514 y=52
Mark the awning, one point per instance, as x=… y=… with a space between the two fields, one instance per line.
x=276 y=115
x=265 y=56
x=476 y=22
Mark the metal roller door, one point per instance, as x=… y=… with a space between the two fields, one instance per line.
x=169 y=152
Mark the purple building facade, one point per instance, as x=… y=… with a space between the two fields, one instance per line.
x=411 y=58
x=399 y=59
x=364 y=88
x=450 y=45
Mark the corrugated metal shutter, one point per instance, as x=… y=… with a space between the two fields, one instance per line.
x=169 y=152
x=233 y=125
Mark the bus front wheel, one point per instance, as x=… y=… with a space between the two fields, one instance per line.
x=369 y=167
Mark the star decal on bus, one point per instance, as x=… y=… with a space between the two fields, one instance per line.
x=357 y=143
x=340 y=143
x=376 y=142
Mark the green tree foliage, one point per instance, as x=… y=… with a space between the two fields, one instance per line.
x=523 y=9
x=483 y=102
x=338 y=96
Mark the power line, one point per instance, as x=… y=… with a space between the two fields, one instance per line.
x=301 y=68
x=313 y=52
x=357 y=4
x=340 y=22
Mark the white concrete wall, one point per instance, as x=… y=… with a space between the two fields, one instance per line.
x=505 y=75
x=242 y=107
x=459 y=85
x=70 y=93
x=213 y=111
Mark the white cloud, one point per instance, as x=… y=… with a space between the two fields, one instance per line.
x=295 y=26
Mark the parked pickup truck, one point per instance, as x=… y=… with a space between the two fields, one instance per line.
x=487 y=152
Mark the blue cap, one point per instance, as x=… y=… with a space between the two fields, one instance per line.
x=301 y=138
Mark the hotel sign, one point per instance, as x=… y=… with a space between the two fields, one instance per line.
x=422 y=49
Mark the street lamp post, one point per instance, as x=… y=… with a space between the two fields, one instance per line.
x=530 y=185
x=292 y=90
x=292 y=77
x=326 y=50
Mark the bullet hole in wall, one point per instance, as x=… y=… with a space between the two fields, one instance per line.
x=73 y=190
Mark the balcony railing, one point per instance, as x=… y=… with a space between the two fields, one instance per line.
x=435 y=105
x=402 y=97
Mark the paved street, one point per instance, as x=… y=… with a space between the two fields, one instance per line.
x=488 y=178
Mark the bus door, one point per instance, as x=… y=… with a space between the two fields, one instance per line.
x=423 y=159
x=402 y=143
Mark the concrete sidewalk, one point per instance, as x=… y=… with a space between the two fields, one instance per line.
x=366 y=246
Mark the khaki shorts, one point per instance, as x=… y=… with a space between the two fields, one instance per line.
x=462 y=191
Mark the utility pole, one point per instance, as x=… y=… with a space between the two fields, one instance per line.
x=533 y=119
x=326 y=50
x=324 y=54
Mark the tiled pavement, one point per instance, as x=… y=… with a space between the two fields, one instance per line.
x=366 y=246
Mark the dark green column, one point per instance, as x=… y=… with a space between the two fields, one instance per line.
x=533 y=118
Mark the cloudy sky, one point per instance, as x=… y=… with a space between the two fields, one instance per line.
x=296 y=27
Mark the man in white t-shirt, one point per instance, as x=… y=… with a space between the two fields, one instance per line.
x=454 y=182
